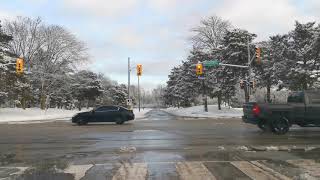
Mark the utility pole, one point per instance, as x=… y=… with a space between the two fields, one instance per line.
x=129 y=69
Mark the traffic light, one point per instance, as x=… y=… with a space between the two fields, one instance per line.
x=253 y=84
x=139 y=69
x=258 y=55
x=241 y=84
x=199 y=69
x=19 y=66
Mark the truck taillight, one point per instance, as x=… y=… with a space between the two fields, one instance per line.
x=256 y=110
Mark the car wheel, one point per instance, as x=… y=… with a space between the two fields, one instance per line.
x=280 y=125
x=82 y=122
x=119 y=121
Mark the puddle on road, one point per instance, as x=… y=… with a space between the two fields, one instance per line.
x=152 y=156
x=148 y=130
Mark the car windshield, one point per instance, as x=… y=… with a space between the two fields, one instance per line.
x=159 y=89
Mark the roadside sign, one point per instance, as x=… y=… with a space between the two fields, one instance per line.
x=212 y=63
x=129 y=102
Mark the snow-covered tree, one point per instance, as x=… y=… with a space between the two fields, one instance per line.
x=49 y=51
x=119 y=94
x=86 y=86
x=235 y=51
x=303 y=59
x=273 y=67
x=208 y=36
x=5 y=65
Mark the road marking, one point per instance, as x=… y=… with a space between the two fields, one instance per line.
x=78 y=170
x=311 y=166
x=193 y=170
x=271 y=171
x=135 y=171
x=253 y=171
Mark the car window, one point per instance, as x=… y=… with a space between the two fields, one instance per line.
x=107 y=108
x=114 y=108
x=104 y=108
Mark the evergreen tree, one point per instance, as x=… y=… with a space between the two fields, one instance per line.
x=303 y=57
x=235 y=51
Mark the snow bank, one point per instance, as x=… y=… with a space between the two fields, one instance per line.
x=34 y=114
x=37 y=115
x=213 y=112
x=141 y=114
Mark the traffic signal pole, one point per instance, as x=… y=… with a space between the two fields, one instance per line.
x=205 y=100
x=139 y=91
x=139 y=73
x=246 y=89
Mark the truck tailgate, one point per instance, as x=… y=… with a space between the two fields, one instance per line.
x=248 y=115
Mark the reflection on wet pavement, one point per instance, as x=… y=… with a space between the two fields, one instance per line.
x=155 y=145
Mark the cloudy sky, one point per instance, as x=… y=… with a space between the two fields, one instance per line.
x=155 y=32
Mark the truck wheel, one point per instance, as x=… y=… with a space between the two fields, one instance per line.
x=263 y=125
x=280 y=126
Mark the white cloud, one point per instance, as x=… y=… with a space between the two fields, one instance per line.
x=313 y=7
x=6 y=15
x=262 y=17
x=172 y=6
x=104 y=8
x=162 y=5
x=128 y=38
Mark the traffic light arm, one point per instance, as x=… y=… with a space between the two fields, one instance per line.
x=233 y=65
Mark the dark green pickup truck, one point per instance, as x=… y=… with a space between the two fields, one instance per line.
x=302 y=108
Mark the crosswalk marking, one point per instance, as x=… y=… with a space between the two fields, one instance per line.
x=135 y=171
x=78 y=170
x=187 y=170
x=253 y=171
x=311 y=166
x=271 y=171
x=193 y=170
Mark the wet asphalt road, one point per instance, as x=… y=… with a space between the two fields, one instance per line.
x=160 y=140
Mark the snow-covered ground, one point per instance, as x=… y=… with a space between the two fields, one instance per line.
x=141 y=114
x=36 y=115
x=213 y=112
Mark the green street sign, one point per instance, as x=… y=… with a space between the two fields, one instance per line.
x=212 y=63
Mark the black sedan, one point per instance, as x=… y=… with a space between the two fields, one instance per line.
x=115 y=114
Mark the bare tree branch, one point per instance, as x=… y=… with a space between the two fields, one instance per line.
x=209 y=34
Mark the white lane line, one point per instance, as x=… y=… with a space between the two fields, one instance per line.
x=271 y=171
x=310 y=166
x=253 y=171
x=135 y=171
x=193 y=170
x=78 y=170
